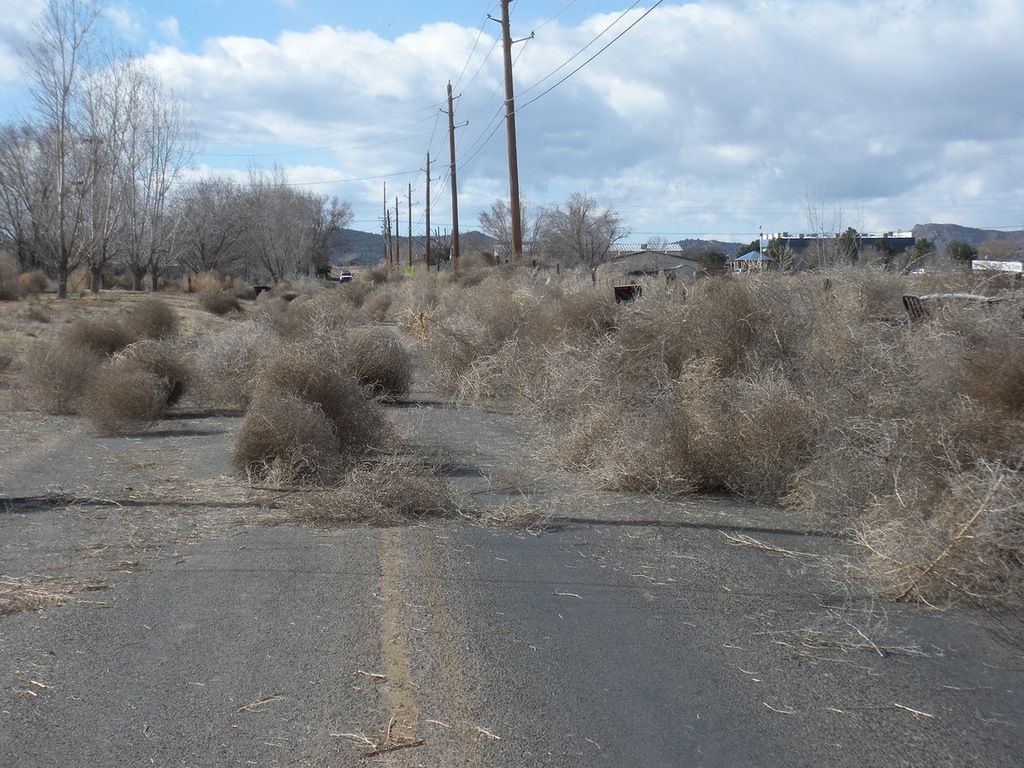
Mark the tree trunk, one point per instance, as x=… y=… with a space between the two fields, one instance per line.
x=154 y=274
x=95 y=279
x=137 y=276
x=62 y=281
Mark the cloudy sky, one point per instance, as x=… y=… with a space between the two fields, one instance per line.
x=704 y=119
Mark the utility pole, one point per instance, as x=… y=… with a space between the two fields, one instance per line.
x=398 y=235
x=426 y=253
x=410 y=225
x=455 y=186
x=510 y=128
x=385 y=223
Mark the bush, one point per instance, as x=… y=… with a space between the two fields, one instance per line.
x=379 y=362
x=123 y=396
x=969 y=544
x=226 y=363
x=10 y=288
x=219 y=302
x=285 y=438
x=103 y=337
x=209 y=282
x=317 y=372
x=812 y=391
x=165 y=360
x=376 y=305
x=151 y=318
x=34 y=282
x=56 y=375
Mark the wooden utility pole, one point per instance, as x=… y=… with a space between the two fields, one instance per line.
x=386 y=225
x=455 y=186
x=410 y=225
x=510 y=129
x=426 y=253
x=398 y=235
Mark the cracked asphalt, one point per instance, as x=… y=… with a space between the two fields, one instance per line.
x=628 y=632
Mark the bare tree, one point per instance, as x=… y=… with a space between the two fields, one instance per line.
x=497 y=223
x=108 y=100
x=581 y=234
x=332 y=216
x=56 y=62
x=824 y=221
x=26 y=193
x=157 y=145
x=211 y=222
x=289 y=227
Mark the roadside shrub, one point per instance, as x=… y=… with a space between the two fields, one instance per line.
x=969 y=544
x=164 y=359
x=56 y=375
x=376 y=305
x=307 y=316
x=379 y=362
x=123 y=396
x=151 y=318
x=286 y=438
x=10 y=288
x=219 y=302
x=103 y=337
x=226 y=363
x=34 y=282
x=317 y=372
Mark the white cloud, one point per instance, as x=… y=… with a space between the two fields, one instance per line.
x=126 y=21
x=711 y=115
x=170 y=29
x=16 y=19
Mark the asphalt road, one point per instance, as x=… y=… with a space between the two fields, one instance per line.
x=630 y=632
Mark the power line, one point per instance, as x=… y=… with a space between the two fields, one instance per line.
x=592 y=41
x=599 y=52
x=479 y=34
x=565 y=7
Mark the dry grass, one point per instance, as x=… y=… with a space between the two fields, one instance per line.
x=385 y=491
x=151 y=318
x=219 y=302
x=123 y=396
x=35 y=312
x=23 y=595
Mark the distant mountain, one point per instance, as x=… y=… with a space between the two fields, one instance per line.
x=941 y=234
x=353 y=246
